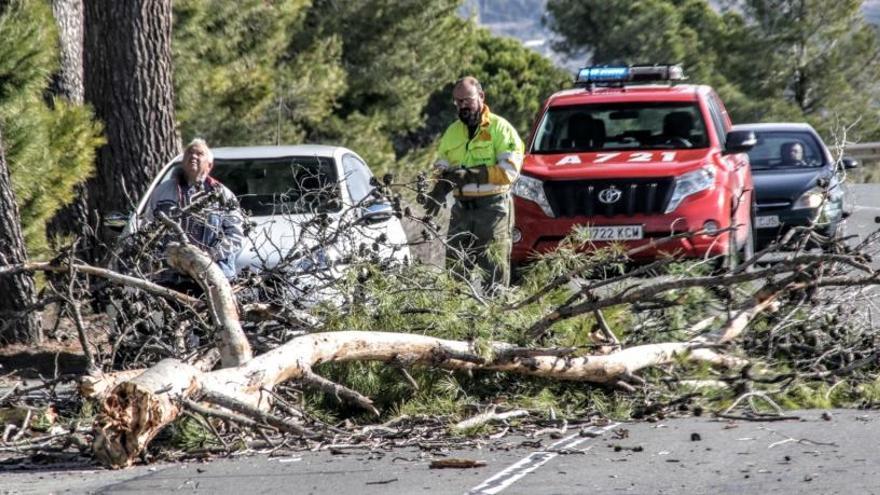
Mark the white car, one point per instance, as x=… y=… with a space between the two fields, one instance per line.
x=284 y=190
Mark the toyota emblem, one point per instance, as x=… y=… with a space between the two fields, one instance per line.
x=610 y=195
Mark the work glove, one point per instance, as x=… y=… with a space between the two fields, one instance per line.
x=478 y=175
x=436 y=198
x=461 y=176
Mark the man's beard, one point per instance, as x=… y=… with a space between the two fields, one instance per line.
x=469 y=118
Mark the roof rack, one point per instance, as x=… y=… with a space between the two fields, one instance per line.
x=618 y=76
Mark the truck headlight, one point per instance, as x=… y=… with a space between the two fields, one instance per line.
x=691 y=183
x=810 y=199
x=532 y=189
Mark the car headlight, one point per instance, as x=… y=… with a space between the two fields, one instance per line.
x=810 y=199
x=532 y=189
x=691 y=183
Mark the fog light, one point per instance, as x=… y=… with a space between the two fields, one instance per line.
x=516 y=235
x=711 y=227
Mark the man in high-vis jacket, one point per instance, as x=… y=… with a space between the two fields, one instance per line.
x=480 y=158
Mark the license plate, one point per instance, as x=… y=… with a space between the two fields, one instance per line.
x=767 y=221
x=616 y=233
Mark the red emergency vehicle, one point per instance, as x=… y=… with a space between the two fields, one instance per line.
x=634 y=161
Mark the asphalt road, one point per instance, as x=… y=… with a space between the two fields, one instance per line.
x=834 y=454
x=837 y=455
x=866 y=211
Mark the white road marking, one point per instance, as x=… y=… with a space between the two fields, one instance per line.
x=533 y=461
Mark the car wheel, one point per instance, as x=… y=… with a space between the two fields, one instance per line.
x=737 y=255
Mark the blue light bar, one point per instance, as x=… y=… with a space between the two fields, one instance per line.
x=614 y=75
x=603 y=74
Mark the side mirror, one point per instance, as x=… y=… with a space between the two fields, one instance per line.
x=849 y=163
x=377 y=212
x=739 y=142
x=114 y=224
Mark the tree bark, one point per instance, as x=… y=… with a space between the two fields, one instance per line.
x=128 y=80
x=67 y=83
x=16 y=292
x=233 y=344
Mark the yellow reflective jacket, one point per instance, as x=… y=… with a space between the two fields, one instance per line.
x=495 y=145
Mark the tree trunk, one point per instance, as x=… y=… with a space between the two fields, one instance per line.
x=128 y=80
x=67 y=83
x=16 y=292
x=134 y=411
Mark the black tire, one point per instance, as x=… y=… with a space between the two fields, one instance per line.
x=737 y=255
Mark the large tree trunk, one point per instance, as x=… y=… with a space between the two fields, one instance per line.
x=136 y=409
x=128 y=81
x=16 y=292
x=67 y=83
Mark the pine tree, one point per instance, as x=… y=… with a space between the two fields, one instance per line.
x=18 y=290
x=50 y=142
x=67 y=83
x=621 y=31
x=236 y=84
x=820 y=58
x=68 y=80
x=395 y=54
x=128 y=80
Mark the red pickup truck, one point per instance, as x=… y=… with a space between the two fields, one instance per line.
x=634 y=161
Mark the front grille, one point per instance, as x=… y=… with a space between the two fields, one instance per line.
x=572 y=198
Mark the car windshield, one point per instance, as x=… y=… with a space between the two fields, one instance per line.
x=621 y=126
x=781 y=149
x=285 y=185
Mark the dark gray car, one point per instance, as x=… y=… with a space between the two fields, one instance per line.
x=798 y=182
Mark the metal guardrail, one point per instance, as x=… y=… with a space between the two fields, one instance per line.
x=863 y=151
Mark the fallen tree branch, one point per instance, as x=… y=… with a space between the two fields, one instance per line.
x=637 y=292
x=220 y=413
x=234 y=347
x=137 y=409
x=98 y=385
x=137 y=283
x=488 y=417
x=338 y=391
x=256 y=414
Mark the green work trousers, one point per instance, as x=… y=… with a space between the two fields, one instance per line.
x=480 y=236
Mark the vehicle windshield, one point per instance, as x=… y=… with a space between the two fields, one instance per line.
x=621 y=126
x=794 y=149
x=276 y=186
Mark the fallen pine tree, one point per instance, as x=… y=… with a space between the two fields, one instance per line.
x=137 y=404
x=135 y=410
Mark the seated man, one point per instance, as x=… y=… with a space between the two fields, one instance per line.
x=216 y=226
x=792 y=154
